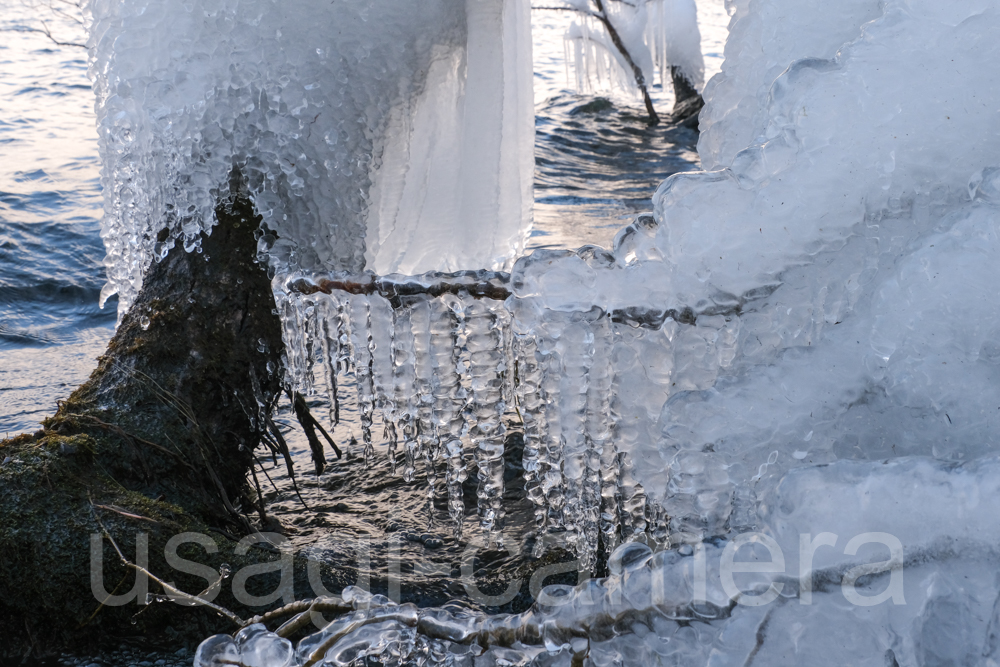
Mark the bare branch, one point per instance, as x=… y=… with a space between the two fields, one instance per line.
x=60 y=12
x=44 y=30
x=640 y=79
x=602 y=15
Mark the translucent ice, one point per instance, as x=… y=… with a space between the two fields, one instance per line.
x=860 y=563
x=824 y=292
x=260 y=648
x=365 y=131
x=791 y=366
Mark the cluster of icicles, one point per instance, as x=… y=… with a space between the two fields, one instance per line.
x=440 y=360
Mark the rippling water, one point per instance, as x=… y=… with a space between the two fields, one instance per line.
x=596 y=161
x=597 y=164
x=51 y=329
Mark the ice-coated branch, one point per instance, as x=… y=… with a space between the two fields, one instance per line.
x=640 y=79
x=479 y=284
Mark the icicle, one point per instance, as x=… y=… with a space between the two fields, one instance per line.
x=531 y=408
x=610 y=497
x=328 y=311
x=310 y=323
x=346 y=350
x=484 y=342
x=600 y=425
x=292 y=334
x=674 y=39
x=363 y=346
x=599 y=444
x=404 y=384
x=382 y=335
x=632 y=496
x=626 y=436
x=575 y=349
x=550 y=453
x=506 y=333
x=423 y=389
x=447 y=315
x=454 y=478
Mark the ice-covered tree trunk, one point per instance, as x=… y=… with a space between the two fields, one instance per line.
x=193 y=369
x=159 y=441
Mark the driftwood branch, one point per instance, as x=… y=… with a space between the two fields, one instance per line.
x=169 y=588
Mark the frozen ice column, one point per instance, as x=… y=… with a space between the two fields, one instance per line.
x=453 y=190
x=365 y=131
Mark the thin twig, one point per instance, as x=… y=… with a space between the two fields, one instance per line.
x=169 y=588
x=44 y=30
x=287 y=455
x=125 y=435
x=182 y=407
x=640 y=79
x=123 y=512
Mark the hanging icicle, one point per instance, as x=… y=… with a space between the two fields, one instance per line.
x=449 y=370
x=363 y=347
x=484 y=341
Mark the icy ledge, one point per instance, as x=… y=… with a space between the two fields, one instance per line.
x=856 y=563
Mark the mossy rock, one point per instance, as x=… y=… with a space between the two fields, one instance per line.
x=157 y=443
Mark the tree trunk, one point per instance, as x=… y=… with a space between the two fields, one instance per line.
x=158 y=441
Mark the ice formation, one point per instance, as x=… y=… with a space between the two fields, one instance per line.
x=783 y=310
x=658 y=35
x=793 y=362
x=797 y=351
x=365 y=130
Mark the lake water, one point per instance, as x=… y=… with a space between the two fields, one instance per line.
x=595 y=171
